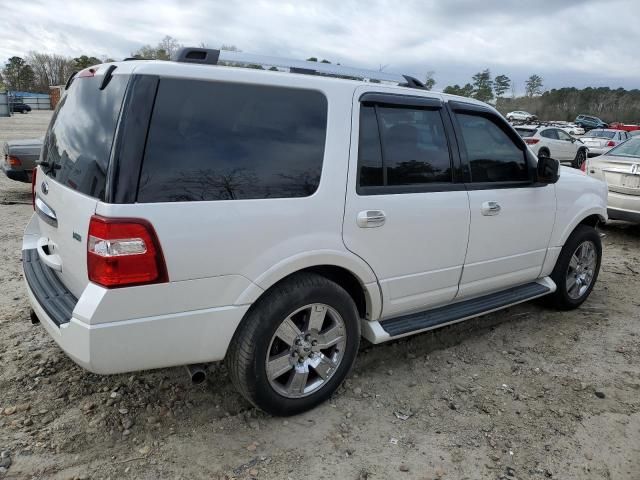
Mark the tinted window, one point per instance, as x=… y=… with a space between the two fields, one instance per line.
x=492 y=154
x=549 y=133
x=526 y=132
x=81 y=134
x=225 y=141
x=369 y=150
x=412 y=142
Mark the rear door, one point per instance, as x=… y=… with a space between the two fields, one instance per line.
x=73 y=175
x=568 y=145
x=407 y=212
x=511 y=218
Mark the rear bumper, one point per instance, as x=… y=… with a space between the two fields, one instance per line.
x=623 y=207
x=18 y=175
x=158 y=341
x=594 y=152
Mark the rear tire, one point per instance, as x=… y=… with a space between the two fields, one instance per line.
x=295 y=346
x=577 y=268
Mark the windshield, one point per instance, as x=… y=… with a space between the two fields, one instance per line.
x=630 y=148
x=526 y=132
x=602 y=134
x=78 y=143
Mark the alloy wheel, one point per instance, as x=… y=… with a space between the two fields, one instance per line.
x=306 y=350
x=582 y=267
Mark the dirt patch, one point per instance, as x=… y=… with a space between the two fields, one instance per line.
x=523 y=393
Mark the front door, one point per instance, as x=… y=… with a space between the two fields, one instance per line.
x=510 y=217
x=407 y=211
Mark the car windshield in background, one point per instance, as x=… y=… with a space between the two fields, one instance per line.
x=81 y=134
x=630 y=148
x=526 y=132
x=602 y=134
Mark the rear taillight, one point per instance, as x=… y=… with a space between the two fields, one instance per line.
x=611 y=143
x=33 y=187
x=14 y=161
x=124 y=252
x=531 y=141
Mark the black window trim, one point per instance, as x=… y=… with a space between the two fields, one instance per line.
x=454 y=107
x=416 y=102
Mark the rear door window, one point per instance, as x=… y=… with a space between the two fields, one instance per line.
x=402 y=146
x=78 y=144
x=550 y=133
x=229 y=141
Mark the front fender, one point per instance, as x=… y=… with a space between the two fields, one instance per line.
x=578 y=197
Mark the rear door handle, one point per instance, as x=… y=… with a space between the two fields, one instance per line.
x=490 y=208
x=371 y=218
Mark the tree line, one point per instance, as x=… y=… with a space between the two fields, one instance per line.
x=485 y=88
x=566 y=103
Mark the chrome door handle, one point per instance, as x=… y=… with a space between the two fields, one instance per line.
x=490 y=208
x=371 y=218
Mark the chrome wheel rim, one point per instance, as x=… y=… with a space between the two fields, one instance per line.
x=306 y=350
x=582 y=267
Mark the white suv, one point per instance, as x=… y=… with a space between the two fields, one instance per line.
x=550 y=141
x=189 y=213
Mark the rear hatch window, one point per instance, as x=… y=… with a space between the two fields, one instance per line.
x=78 y=143
x=526 y=132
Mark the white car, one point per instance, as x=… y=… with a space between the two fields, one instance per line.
x=554 y=142
x=187 y=212
x=521 y=116
x=620 y=168
x=572 y=129
x=602 y=140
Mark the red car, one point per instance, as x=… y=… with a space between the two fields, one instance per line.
x=624 y=126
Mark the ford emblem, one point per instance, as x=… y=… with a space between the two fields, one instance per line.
x=44 y=187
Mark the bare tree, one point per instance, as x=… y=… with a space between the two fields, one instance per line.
x=50 y=69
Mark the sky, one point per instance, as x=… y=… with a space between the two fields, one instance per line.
x=568 y=42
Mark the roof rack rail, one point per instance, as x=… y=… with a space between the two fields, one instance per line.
x=210 y=56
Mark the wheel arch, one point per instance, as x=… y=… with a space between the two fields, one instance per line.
x=347 y=270
x=591 y=217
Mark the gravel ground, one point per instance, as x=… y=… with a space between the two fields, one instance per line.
x=523 y=393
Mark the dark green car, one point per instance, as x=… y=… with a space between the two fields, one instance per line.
x=589 y=122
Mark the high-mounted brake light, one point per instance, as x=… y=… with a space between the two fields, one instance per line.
x=124 y=252
x=531 y=141
x=611 y=143
x=33 y=188
x=87 y=72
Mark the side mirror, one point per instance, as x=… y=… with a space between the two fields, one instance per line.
x=547 y=170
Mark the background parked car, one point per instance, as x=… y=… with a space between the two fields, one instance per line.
x=573 y=129
x=20 y=107
x=600 y=141
x=555 y=143
x=20 y=157
x=521 y=116
x=620 y=167
x=589 y=122
x=629 y=127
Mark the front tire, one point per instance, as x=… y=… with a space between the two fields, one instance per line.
x=581 y=157
x=577 y=268
x=296 y=345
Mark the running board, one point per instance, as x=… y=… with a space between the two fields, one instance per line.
x=456 y=312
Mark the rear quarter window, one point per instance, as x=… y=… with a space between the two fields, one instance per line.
x=80 y=136
x=226 y=141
